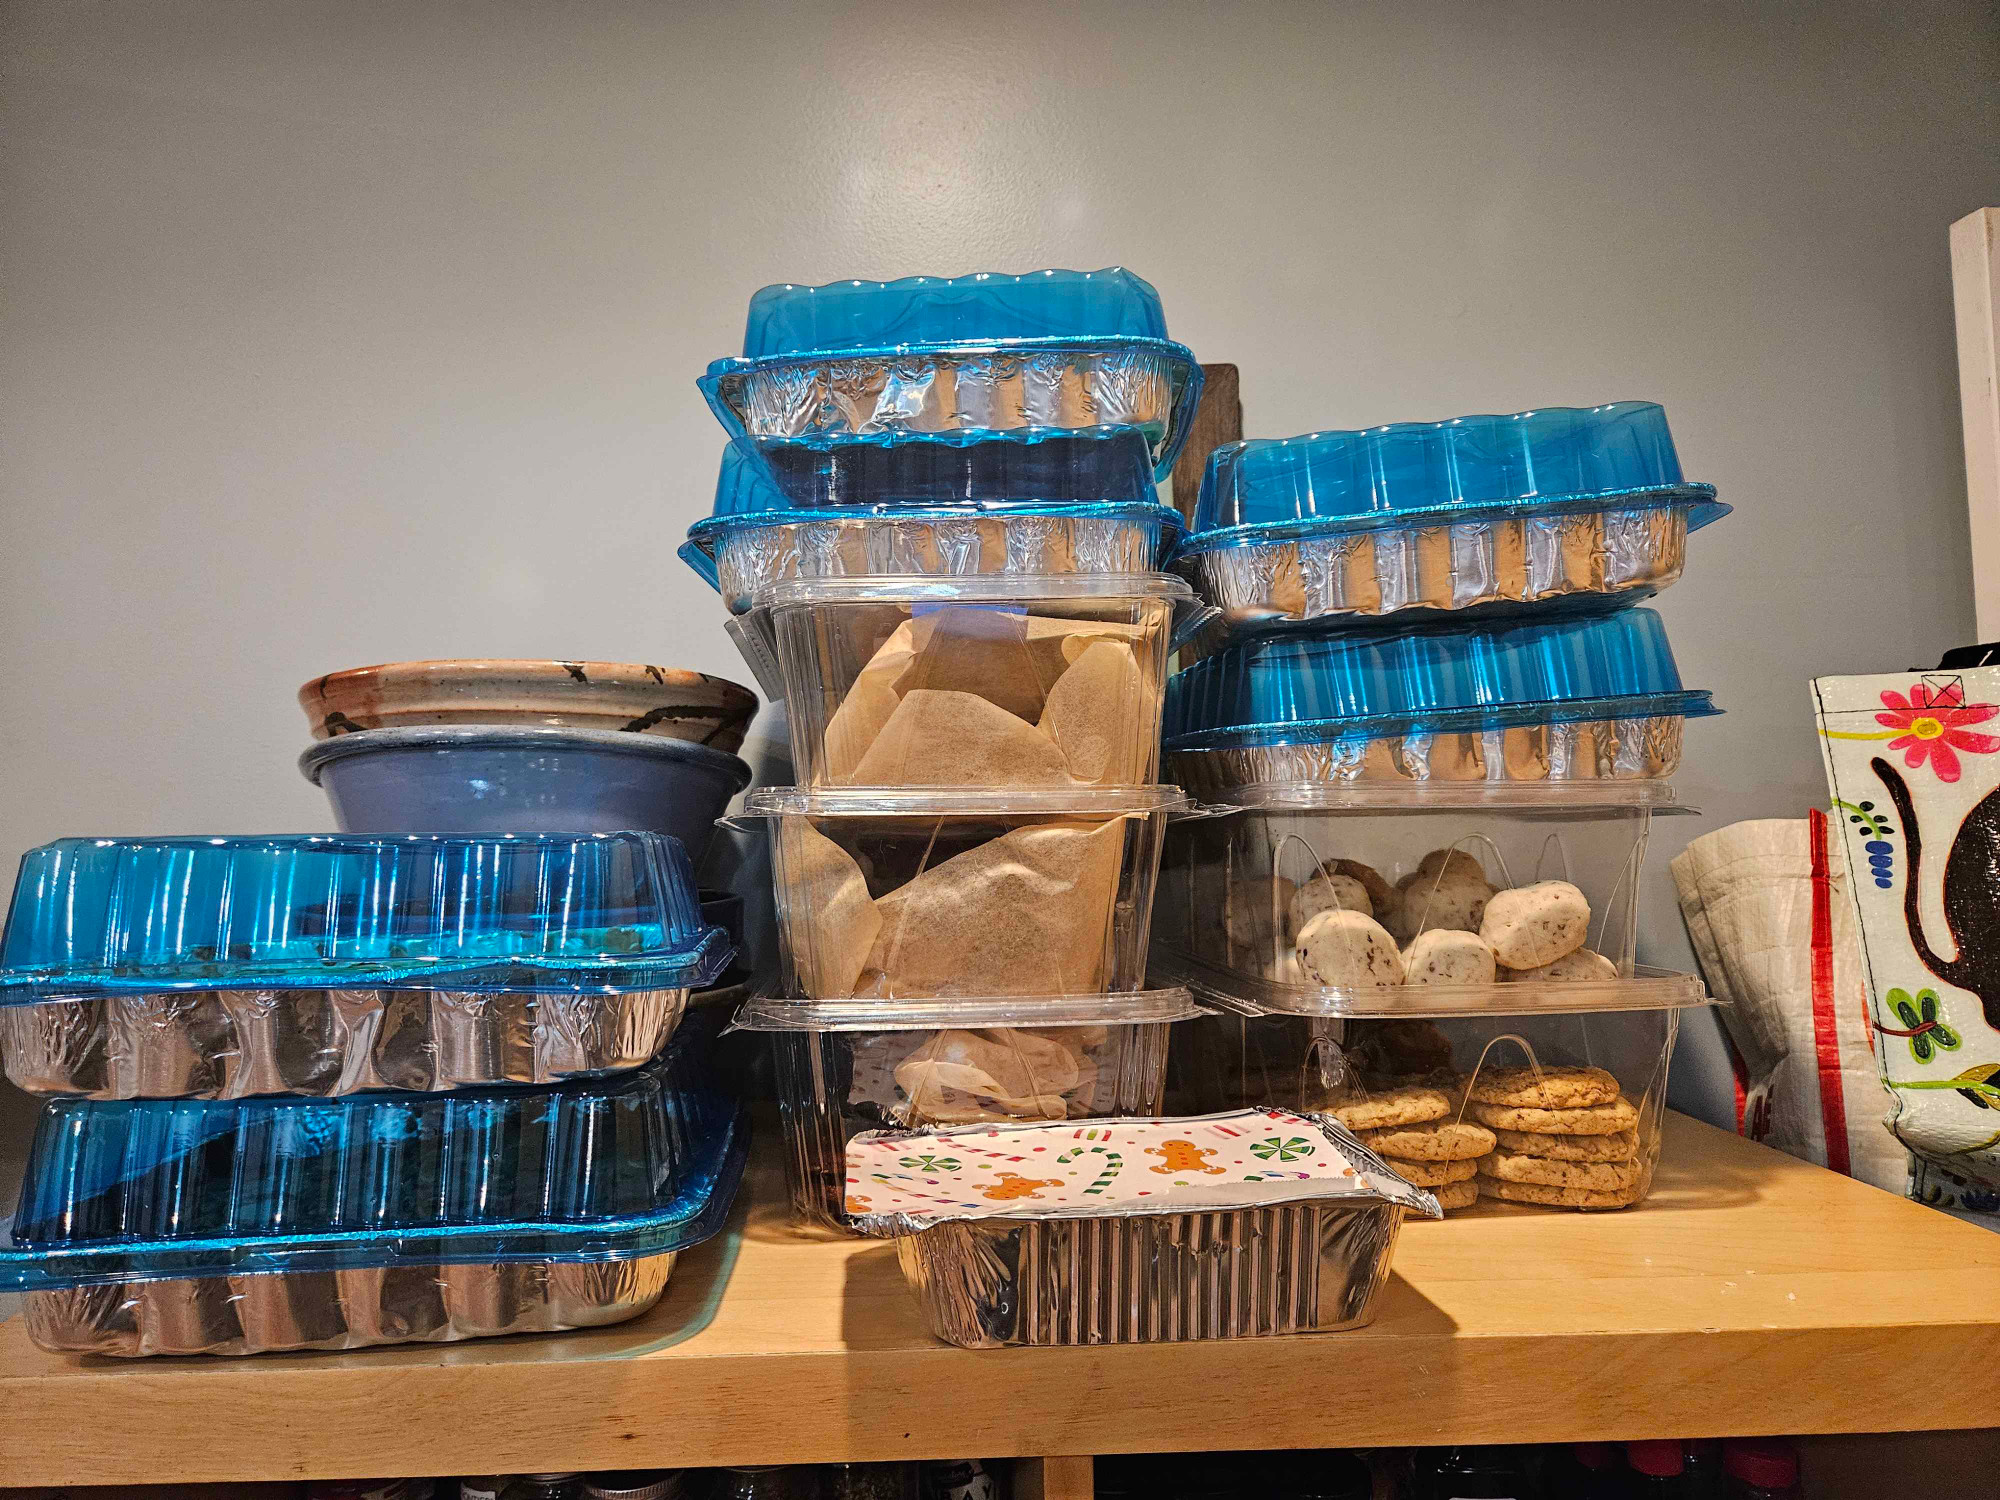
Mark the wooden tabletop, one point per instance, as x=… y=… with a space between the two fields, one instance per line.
x=1750 y=1294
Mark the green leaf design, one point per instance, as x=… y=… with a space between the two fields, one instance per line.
x=1927 y=1003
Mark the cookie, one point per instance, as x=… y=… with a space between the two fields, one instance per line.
x=1544 y=1088
x=1457 y=1194
x=1621 y=1146
x=1410 y=1105
x=1328 y=891
x=1442 y=1141
x=1537 y=924
x=1556 y=1197
x=1442 y=955
x=1599 y=1176
x=1348 y=947
x=1581 y=966
x=1591 y=1119
x=1431 y=1174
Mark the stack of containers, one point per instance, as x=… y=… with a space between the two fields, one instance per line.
x=325 y=1091
x=938 y=535
x=434 y=1077
x=1443 y=730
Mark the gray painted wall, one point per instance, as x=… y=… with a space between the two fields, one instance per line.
x=338 y=333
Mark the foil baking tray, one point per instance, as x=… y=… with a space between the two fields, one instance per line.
x=273 y=1312
x=1581 y=507
x=992 y=355
x=287 y=1197
x=1253 y=1223
x=238 y=1044
x=224 y=968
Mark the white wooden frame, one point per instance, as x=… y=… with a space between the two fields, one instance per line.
x=1975 y=279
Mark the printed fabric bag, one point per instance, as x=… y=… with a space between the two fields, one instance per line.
x=1913 y=763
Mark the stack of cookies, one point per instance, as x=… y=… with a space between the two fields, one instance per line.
x=1566 y=1137
x=1419 y=1129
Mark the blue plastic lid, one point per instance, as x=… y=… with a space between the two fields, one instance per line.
x=1033 y=464
x=985 y=307
x=607 y=912
x=1096 y=473
x=586 y=1172
x=1330 y=683
x=1557 y=459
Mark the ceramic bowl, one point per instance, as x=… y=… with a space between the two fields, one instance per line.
x=662 y=701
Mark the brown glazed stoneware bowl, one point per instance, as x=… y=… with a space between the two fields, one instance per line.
x=612 y=695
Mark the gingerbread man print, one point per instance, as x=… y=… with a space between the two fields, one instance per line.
x=1183 y=1156
x=1010 y=1187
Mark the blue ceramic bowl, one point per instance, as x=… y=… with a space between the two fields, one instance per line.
x=485 y=779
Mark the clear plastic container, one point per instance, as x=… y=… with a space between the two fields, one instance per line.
x=1238 y=1225
x=1060 y=503
x=1385 y=900
x=984 y=357
x=953 y=1062
x=991 y=682
x=1580 y=507
x=921 y=896
x=333 y=964
x=1585 y=698
x=231 y=1228
x=1429 y=1072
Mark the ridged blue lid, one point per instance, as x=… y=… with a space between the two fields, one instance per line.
x=1546 y=461
x=1036 y=464
x=595 y=1171
x=609 y=912
x=1101 y=473
x=985 y=307
x=1327 y=682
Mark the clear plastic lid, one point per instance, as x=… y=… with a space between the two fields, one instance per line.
x=1539 y=462
x=609 y=912
x=1000 y=802
x=905 y=1181
x=1248 y=995
x=984 y=307
x=1326 y=681
x=582 y=1173
x=1139 y=1008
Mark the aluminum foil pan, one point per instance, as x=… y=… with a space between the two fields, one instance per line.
x=237 y=1044
x=1170 y=1278
x=1106 y=382
x=352 y=1309
x=1580 y=750
x=1117 y=539
x=1485 y=565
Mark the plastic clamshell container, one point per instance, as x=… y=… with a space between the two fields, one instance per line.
x=1564 y=506
x=623 y=697
x=920 y=896
x=991 y=682
x=953 y=1062
x=1582 y=698
x=991 y=355
x=943 y=506
x=1238 y=1225
x=332 y=964
x=232 y=1228
x=1240 y=891
x=475 y=778
x=1599 y=1157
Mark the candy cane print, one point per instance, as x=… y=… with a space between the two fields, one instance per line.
x=1113 y=1165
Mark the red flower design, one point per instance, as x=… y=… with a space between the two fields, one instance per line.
x=1933 y=728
